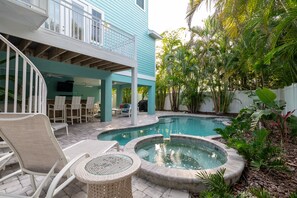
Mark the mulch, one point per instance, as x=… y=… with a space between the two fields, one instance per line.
x=277 y=183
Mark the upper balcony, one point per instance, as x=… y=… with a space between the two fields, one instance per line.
x=71 y=20
x=31 y=13
x=71 y=33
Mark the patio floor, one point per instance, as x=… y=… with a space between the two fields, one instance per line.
x=140 y=187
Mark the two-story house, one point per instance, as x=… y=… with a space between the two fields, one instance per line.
x=95 y=45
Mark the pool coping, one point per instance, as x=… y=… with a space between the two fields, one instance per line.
x=162 y=116
x=187 y=179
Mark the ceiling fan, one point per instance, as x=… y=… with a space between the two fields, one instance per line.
x=50 y=75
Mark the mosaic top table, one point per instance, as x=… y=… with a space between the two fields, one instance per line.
x=108 y=175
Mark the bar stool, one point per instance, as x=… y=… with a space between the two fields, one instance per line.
x=57 y=107
x=88 y=109
x=75 y=109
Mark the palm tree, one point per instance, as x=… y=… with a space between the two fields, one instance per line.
x=171 y=43
x=264 y=34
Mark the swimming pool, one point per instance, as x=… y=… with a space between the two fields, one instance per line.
x=167 y=125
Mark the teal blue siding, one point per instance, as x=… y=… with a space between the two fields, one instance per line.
x=71 y=71
x=68 y=69
x=126 y=15
x=127 y=79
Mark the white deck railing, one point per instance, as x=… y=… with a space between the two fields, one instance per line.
x=73 y=21
x=22 y=87
x=40 y=5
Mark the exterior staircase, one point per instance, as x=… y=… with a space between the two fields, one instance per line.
x=22 y=86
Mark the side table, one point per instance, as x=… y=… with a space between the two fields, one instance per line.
x=116 y=111
x=108 y=175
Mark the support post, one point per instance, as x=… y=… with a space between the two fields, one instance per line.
x=151 y=100
x=106 y=99
x=119 y=96
x=134 y=96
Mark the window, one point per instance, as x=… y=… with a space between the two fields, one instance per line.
x=96 y=26
x=140 y=3
x=77 y=21
x=53 y=21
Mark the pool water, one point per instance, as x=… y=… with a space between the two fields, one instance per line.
x=177 y=154
x=167 y=125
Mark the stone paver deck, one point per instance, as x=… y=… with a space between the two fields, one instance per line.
x=141 y=188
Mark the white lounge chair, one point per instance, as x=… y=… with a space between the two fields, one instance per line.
x=4 y=159
x=58 y=126
x=31 y=138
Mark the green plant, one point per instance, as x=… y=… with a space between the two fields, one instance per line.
x=216 y=184
x=271 y=110
x=247 y=135
x=292 y=124
x=192 y=98
x=127 y=95
x=293 y=195
x=143 y=91
x=258 y=150
x=260 y=192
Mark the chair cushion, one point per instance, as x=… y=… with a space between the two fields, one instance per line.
x=126 y=106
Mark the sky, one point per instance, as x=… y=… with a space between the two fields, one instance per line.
x=170 y=15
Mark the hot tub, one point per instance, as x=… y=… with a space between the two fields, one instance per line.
x=174 y=163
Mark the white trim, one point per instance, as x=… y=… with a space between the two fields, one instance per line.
x=142 y=76
x=91 y=8
x=144 y=6
x=154 y=34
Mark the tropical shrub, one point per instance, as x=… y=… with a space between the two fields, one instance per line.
x=259 y=192
x=248 y=135
x=127 y=95
x=216 y=184
x=222 y=98
x=293 y=195
x=192 y=98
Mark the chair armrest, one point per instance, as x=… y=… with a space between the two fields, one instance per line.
x=45 y=180
x=5 y=157
x=52 y=191
x=68 y=106
x=50 y=105
x=40 y=187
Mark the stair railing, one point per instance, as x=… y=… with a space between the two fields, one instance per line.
x=23 y=88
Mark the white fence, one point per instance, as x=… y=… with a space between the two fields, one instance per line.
x=241 y=100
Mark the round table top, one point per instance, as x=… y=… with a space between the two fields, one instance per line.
x=107 y=168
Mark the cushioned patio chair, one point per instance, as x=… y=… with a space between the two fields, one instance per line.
x=32 y=140
x=126 y=109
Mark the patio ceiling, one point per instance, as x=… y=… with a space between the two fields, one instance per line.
x=35 y=49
